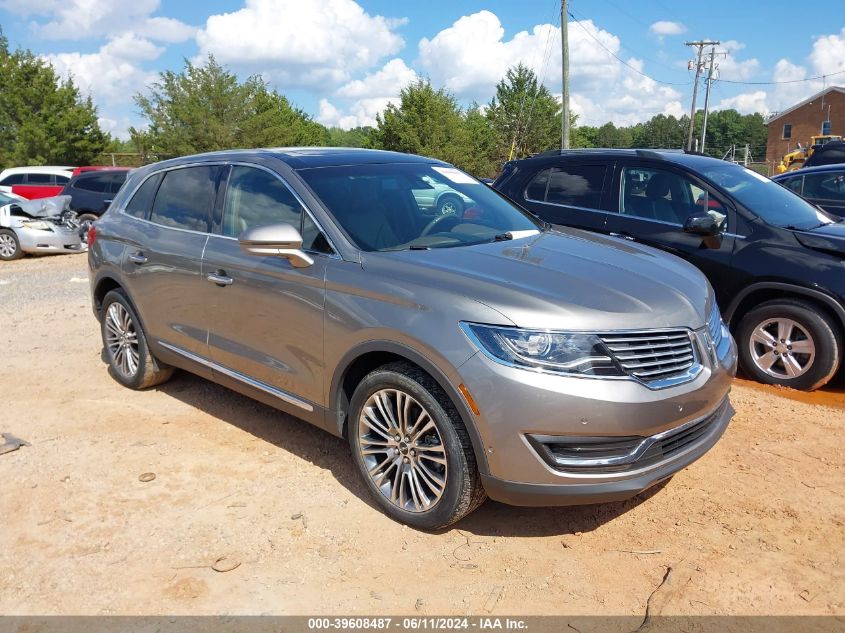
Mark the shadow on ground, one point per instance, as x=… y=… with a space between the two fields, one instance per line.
x=332 y=453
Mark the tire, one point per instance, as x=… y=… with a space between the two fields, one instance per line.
x=132 y=365
x=801 y=326
x=450 y=204
x=409 y=389
x=10 y=247
x=87 y=217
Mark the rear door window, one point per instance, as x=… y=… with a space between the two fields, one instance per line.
x=185 y=198
x=571 y=185
x=826 y=186
x=116 y=182
x=97 y=184
x=40 y=179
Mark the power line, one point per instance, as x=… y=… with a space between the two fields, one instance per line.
x=619 y=59
x=773 y=83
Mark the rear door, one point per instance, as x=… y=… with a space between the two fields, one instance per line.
x=164 y=256
x=654 y=201
x=265 y=315
x=568 y=194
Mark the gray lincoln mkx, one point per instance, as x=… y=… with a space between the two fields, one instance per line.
x=467 y=354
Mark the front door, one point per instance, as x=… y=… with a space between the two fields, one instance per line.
x=266 y=316
x=654 y=203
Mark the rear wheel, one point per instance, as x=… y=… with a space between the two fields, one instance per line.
x=411 y=448
x=789 y=342
x=129 y=358
x=450 y=204
x=10 y=247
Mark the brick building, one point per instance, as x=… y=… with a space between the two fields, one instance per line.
x=823 y=113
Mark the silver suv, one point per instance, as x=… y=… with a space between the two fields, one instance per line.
x=463 y=355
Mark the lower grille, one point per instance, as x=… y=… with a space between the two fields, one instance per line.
x=621 y=454
x=653 y=355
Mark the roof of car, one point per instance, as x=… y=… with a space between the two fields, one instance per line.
x=669 y=155
x=810 y=170
x=305 y=157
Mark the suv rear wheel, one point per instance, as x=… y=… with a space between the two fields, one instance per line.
x=789 y=342
x=129 y=358
x=411 y=448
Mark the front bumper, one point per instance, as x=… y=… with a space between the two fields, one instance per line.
x=58 y=240
x=519 y=406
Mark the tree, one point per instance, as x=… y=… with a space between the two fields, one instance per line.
x=661 y=131
x=205 y=108
x=43 y=119
x=481 y=159
x=524 y=115
x=356 y=137
x=426 y=121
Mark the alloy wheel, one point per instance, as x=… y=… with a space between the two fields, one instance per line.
x=449 y=207
x=782 y=348
x=402 y=450
x=122 y=340
x=8 y=247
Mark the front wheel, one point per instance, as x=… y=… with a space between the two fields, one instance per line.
x=789 y=342
x=10 y=247
x=412 y=449
x=450 y=205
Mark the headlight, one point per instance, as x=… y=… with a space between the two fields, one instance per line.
x=37 y=224
x=559 y=352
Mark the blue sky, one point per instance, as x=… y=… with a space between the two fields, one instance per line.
x=342 y=61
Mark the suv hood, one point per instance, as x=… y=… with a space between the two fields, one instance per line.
x=566 y=279
x=829 y=238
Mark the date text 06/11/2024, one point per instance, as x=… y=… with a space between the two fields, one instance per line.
x=416 y=623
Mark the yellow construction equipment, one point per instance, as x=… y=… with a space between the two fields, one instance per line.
x=795 y=159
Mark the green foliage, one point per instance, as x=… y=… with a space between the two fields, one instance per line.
x=524 y=116
x=356 y=137
x=43 y=120
x=205 y=108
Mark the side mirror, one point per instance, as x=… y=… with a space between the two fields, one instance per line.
x=280 y=240
x=706 y=226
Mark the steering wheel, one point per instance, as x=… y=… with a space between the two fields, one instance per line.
x=436 y=222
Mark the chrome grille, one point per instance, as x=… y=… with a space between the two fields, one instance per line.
x=652 y=355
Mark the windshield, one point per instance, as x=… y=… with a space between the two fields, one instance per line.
x=763 y=197
x=385 y=207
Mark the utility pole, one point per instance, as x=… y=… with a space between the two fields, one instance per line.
x=698 y=66
x=707 y=93
x=564 y=45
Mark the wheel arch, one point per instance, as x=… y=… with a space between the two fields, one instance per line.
x=758 y=293
x=370 y=355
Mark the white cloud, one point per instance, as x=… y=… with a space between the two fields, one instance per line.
x=828 y=55
x=79 y=19
x=113 y=74
x=394 y=76
x=665 y=27
x=472 y=55
x=732 y=68
x=295 y=43
x=746 y=103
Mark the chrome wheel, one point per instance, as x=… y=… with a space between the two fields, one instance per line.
x=122 y=340
x=449 y=207
x=8 y=246
x=782 y=348
x=402 y=450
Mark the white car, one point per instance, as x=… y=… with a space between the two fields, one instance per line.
x=39 y=226
x=35 y=182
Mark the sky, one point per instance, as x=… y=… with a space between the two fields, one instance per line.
x=343 y=61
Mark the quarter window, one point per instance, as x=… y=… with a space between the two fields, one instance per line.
x=255 y=197
x=12 y=179
x=793 y=184
x=185 y=198
x=575 y=185
x=141 y=202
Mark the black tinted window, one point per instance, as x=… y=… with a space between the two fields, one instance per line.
x=116 y=182
x=793 y=184
x=61 y=180
x=98 y=184
x=312 y=238
x=140 y=203
x=829 y=186
x=39 y=179
x=12 y=179
x=255 y=197
x=185 y=198
x=574 y=185
x=536 y=189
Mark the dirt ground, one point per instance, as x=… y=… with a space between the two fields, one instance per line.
x=754 y=527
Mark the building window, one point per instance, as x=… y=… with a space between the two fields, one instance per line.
x=825 y=128
x=787 y=130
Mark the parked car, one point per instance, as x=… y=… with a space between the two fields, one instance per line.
x=459 y=357
x=92 y=191
x=34 y=182
x=832 y=153
x=823 y=186
x=774 y=260
x=38 y=227
x=438 y=198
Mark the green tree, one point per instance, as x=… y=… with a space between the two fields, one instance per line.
x=481 y=158
x=426 y=121
x=43 y=119
x=661 y=131
x=525 y=117
x=205 y=108
x=356 y=137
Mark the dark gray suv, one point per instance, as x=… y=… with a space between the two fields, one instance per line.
x=463 y=355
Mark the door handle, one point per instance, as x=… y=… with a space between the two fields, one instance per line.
x=220 y=279
x=624 y=236
x=138 y=258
